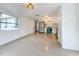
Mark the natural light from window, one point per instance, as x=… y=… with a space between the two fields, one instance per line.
x=8 y=22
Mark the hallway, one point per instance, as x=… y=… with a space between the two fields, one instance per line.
x=35 y=45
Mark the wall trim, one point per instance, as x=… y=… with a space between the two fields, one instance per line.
x=16 y=39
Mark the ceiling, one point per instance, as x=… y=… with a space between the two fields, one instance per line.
x=40 y=9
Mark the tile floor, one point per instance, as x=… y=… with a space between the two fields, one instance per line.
x=35 y=45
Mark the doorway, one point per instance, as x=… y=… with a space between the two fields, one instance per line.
x=49 y=30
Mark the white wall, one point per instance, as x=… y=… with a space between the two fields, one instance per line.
x=26 y=27
x=77 y=12
x=69 y=27
x=59 y=17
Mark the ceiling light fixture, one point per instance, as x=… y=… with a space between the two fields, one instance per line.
x=29 y=6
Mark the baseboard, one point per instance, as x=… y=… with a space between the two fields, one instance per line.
x=75 y=50
x=15 y=39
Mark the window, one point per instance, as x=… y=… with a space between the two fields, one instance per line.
x=8 y=22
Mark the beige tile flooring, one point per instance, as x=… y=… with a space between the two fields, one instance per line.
x=35 y=45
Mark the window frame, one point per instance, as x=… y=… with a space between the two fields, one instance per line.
x=16 y=19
